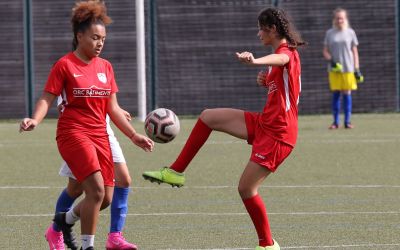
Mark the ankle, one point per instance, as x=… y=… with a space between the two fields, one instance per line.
x=71 y=217
x=87 y=241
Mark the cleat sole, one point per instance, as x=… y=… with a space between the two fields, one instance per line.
x=152 y=180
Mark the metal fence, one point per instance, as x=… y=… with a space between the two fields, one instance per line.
x=190 y=52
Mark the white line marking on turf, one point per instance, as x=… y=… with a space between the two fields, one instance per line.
x=342 y=246
x=226 y=214
x=224 y=187
x=294 y=186
x=333 y=141
x=289 y=213
x=227 y=142
x=295 y=247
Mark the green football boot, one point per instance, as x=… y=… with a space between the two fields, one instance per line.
x=165 y=175
x=274 y=247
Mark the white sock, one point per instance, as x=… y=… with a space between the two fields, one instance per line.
x=87 y=241
x=71 y=217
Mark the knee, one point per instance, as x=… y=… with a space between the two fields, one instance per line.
x=96 y=194
x=106 y=201
x=108 y=196
x=74 y=191
x=205 y=114
x=246 y=192
x=124 y=182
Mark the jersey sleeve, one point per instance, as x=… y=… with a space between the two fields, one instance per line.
x=113 y=83
x=354 y=40
x=285 y=50
x=56 y=79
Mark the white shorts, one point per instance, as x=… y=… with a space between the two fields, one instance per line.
x=118 y=156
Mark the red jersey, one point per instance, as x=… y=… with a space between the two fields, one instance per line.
x=279 y=117
x=86 y=89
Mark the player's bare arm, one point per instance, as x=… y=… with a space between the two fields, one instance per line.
x=271 y=60
x=119 y=119
x=356 y=57
x=326 y=54
x=41 y=109
x=126 y=114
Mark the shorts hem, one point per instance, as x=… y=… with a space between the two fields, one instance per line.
x=84 y=177
x=264 y=165
x=249 y=118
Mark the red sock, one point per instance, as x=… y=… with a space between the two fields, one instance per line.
x=258 y=214
x=197 y=138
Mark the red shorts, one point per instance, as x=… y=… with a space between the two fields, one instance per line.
x=266 y=150
x=87 y=154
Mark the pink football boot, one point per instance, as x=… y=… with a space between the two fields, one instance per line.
x=54 y=238
x=116 y=241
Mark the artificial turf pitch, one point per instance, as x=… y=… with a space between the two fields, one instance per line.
x=337 y=190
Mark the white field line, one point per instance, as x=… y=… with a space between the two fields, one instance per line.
x=333 y=141
x=227 y=187
x=343 y=246
x=375 y=245
x=328 y=213
x=227 y=142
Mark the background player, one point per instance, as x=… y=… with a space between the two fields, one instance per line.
x=87 y=83
x=272 y=133
x=340 y=49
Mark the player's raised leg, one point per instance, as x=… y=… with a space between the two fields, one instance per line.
x=230 y=121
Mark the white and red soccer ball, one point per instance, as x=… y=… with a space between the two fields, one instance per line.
x=162 y=125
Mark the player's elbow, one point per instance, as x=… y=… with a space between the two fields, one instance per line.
x=282 y=60
x=113 y=110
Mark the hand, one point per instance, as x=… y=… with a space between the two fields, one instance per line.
x=336 y=67
x=261 y=78
x=27 y=124
x=245 y=57
x=60 y=108
x=359 y=77
x=127 y=115
x=143 y=142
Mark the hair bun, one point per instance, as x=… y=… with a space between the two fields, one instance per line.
x=93 y=10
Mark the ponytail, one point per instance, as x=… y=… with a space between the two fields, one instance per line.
x=284 y=27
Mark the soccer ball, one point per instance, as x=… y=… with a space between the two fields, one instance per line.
x=162 y=125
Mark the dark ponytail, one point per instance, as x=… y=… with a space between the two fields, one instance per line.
x=285 y=29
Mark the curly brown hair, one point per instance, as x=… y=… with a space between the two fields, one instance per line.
x=284 y=27
x=86 y=13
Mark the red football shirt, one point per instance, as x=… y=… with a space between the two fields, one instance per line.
x=279 y=116
x=85 y=89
